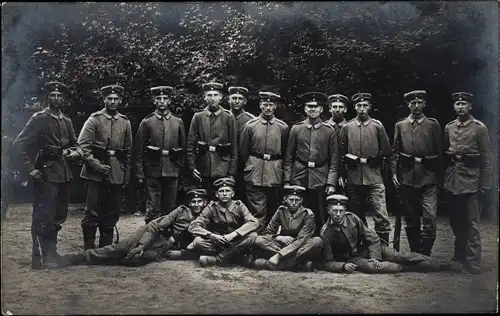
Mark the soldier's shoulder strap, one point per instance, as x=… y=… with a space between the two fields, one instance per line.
x=227 y=111
x=237 y=202
x=450 y=122
x=401 y=120
x=323 y=228
x=308 y=211
x=252 y=120
x=123 y=116
x=377 y=121
x=328 y=125
x=433 y=119
x=96 y=113
x=478 y=122
x=149 y=115
x=281 y=122
x=301 y=122
x=250 y=115
x=39 y=113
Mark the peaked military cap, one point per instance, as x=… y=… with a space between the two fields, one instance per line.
x=197 y=193
x=361 y=96
x=294 y=190
x=222 y=182
x=338 y=98
x=269 y=96
x=462 y=96
x=52 y=86
x=161 y=90
x=209 y=86
x=314 y=98
x=112 y=89
x=415 y=95
x=337 y=199
x=241 y=90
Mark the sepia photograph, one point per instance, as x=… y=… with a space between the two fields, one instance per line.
x=255 y=157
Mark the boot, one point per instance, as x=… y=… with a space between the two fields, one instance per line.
x=49 y=260
x=206 y=261
x=105 y=237
x=384 y=238
x=89 y=237
x=413 y=236
x=426 y=246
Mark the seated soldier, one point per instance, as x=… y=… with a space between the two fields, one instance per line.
x=224 y=229
x=287 y=240
x=349 y=245
x=165 y=237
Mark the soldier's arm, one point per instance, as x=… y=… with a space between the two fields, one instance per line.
x=395 y=150
x=446 y=140
x=329 y=259
x=334 y=160
x=274 y=224
x=284 y=139
x=342 y=149
x=73 y=140
x=384 y=144
x=305 y=233
x=290 y=155
x=251 y=223
x=486 y=159
x=233 y=138
x=244 y=145
x=140 y=138
x=182 y=144
x=27 y=138
x=85 y=140
x=371 y=238
x=192 y=139
x=156 y=226
x=128 y=143
x=198 y=226
x=438 y=141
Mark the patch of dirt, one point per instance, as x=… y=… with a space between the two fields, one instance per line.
x=185 y=287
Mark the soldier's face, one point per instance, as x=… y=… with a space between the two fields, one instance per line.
x=112 y=101
x=268 y=108
x=338 y=109
x=237 y=101
x=293 y=202
x=162 y=102
x=213 y=98
x=416 y=107
x=462 y=107
x=362 y=108
x=336 y=212
x=313 y=111
x=197 y=205
x=225 y=194
x=55 y=99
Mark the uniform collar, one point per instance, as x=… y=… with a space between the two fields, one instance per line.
x=109 y=117
x=365 y=123
x=419 y=121
x=464 y=124
x=316 y=126
x=160 y=116
x=264 y=121
x=343 y=224
x=58 y=117
x=333 y=123
x=216 y=113
x=297 y=212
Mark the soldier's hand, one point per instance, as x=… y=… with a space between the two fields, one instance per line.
x=350 y=267
x=229 y=237
x=287 y=240
x=137 y=251
x=36 y=174
x=274 y=260
x=72 y=155
x=104 y=169
x=197 y=175
x=376 y=264
x=342 y=182
x=330 y=190
x=396 y=181
x=218 y=240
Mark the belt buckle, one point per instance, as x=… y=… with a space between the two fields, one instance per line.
x=418 y=159
x=311 y=164
x=111 y=152
x=165 y=152
x=267 y=157
x=363 y=161
x=211 y=149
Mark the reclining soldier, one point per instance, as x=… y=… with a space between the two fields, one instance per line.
x=225 y=228
x=349 y=245
x=163 y=238
x=287 y=243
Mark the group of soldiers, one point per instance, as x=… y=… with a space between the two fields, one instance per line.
x=262 y=194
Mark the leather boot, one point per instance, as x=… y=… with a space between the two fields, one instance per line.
x=426 y=246
x=384 y=238
x=89 y=237
x=105 y=237
x=48 y=258
x=413 y=236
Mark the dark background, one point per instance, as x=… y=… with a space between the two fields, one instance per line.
x=386 y=48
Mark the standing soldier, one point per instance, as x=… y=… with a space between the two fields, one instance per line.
x=238 y=97
x=311 y=158
x=417 y=150
x=159 y=151
x=50 y=133
x=338 y=108
x=212 y=149
x=106 y=141
x=262 y=147
x=363 y=146
x=470 y=172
